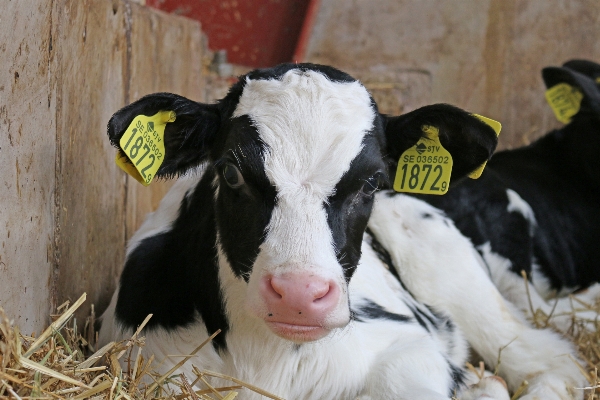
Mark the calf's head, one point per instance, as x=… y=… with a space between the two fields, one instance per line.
x=579 y=141
x=296 y=154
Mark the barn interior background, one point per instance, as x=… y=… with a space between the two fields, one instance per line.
x=66 y=210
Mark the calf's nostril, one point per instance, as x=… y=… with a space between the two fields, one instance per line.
x=276 y=288
x=322 y=293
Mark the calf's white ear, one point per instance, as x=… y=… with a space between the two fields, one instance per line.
x=469 y=140
x=187 y=139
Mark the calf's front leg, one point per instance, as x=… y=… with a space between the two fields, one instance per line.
x=416 y=369
x=441 y=268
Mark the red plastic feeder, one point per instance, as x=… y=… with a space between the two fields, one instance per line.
x=255 y=33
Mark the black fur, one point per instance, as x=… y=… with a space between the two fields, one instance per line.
x=348 y=210
x=458 y=378
x=372 y=310
x=559 y=177
x=242 y=214
x=384 y=256
x=173 y=275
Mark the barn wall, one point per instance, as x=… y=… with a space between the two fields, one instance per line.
x=27 y=160
x=482 y=55
x=67 y=210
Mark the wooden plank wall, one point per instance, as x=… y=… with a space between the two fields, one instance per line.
x=27 y=159
x=482 y=55
x=67 y=210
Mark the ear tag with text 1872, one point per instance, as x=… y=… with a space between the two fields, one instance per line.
x=426 y=167
x=497 y=127
x=565 y=101
x=144 y=147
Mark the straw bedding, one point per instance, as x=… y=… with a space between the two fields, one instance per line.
x=63 y=363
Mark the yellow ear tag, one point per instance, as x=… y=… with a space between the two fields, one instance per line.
x=143 y=144
x=497 y=127
x=565 y=101
x=426 y=167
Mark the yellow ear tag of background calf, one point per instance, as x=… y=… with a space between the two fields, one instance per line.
x=497 y=127
x=143 y=144
x=564 y=100
x=426 y=167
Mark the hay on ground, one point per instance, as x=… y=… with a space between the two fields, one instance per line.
x=63 y=363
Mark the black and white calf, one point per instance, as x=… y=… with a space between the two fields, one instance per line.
x=537 y=208
x=278 y=237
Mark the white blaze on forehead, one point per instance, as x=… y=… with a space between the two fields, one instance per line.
x=313 y=129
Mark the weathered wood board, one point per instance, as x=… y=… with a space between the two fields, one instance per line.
x=27 y=161
x=67 y=210
x=90 y=61
x=482 y=55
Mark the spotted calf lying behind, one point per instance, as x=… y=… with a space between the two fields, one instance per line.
x=266 y=239
x=537 y=208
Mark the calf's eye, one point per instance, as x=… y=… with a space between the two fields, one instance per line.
x=232 y=176
x=372 y=184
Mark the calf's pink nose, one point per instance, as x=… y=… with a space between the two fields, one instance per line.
x=300 y=296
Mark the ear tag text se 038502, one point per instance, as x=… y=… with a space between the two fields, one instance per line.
x=426 y=167
x=143 y=146
x=565 y=101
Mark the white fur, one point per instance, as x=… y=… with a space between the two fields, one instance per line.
x=513 y=288
x=517 y=204
x=489 y=388
x=161 y=220
x=306 y=121
x=434 y=262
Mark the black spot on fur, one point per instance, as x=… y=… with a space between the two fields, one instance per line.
x=372 y=310
x=348 y=209
x=458 y=378
x=173 y=275
x=383 y=255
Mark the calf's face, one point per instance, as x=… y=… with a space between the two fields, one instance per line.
x=311 y=133
x=297 y=153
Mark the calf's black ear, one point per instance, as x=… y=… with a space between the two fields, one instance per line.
x=469 y=140
x=585 y=67
x=571 y=92
x=187 y=140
